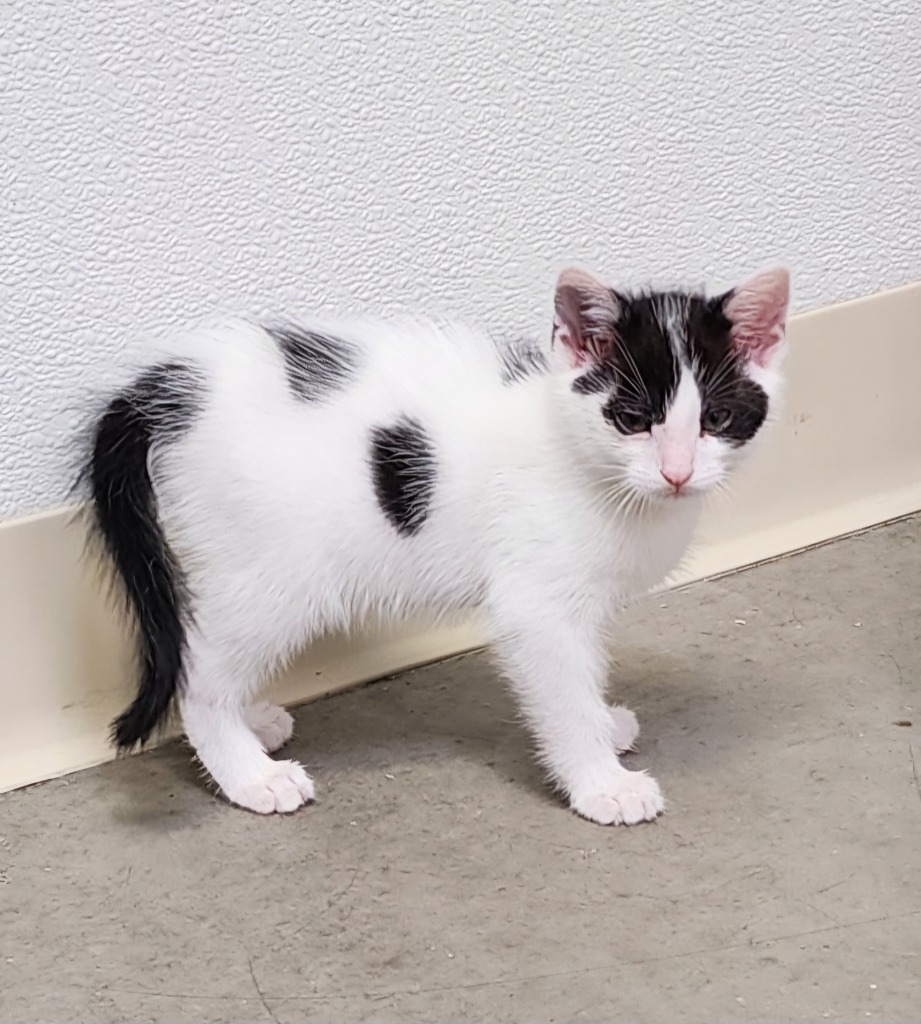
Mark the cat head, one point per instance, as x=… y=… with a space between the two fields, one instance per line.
x=668 y=388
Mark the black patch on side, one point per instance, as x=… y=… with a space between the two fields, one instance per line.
x=403 y=470
x=160 y=406
x=522 y=360
x=720 y=371
x=316 y=364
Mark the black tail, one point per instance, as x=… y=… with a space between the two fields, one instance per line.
x=157 y=408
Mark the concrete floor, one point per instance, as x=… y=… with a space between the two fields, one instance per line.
x=437 y=879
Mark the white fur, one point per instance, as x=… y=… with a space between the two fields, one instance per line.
x=543 y=516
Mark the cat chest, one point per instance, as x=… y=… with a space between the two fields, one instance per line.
x=644 y=555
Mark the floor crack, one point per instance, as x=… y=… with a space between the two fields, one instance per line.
x=914 y=770
x=256 y=985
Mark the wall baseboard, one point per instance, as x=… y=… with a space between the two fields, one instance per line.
x=844 y=456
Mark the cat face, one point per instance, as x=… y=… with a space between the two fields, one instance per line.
x=669 y=387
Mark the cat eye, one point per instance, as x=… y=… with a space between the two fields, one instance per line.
x=716 y=419
x=631 y=421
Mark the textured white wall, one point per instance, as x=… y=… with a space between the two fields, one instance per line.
x=160 y=161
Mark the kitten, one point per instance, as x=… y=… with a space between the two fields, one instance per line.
x=260 y=486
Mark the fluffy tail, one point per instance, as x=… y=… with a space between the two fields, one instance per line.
x=157 y=408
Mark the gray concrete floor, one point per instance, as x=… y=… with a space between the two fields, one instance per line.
x=437 y=879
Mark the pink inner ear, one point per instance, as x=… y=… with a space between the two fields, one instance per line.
x=757 y=310
x=586 y=315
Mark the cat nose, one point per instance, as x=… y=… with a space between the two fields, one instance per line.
x=677 y=478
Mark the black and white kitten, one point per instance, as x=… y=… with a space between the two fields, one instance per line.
x=257 y=487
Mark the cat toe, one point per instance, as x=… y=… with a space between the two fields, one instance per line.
x=629 y=799
x=279 y=789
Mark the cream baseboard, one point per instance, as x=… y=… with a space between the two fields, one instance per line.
x=845 y=456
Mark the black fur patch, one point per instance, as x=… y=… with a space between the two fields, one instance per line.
x=647 y=364
x=403 y=469
x=747 y=405
x=316 y=364
x=521 y=360
x=600 y=378
x=160 y=406
x=656 y=334
x=642 y=368
x=720 y=371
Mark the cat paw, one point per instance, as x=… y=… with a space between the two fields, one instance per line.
x=281 y=787
x=627 y=799
x=626 y=728
x=272 y=725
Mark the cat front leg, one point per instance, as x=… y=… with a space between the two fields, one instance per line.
x=558 y=669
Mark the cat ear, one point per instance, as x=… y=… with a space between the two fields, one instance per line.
x=586 y=315
x=757 y=311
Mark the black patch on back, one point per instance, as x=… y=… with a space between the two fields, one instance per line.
x=521 y=360
x=316 y=364
x=403 y=470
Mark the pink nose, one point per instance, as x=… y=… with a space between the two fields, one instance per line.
x=677 y=478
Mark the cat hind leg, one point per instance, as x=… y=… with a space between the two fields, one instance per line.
x=230 y=739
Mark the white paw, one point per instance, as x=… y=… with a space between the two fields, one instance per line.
x=272 y=725
x=626 y=728
x=281 y=787
x=627 y=799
